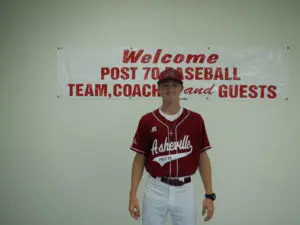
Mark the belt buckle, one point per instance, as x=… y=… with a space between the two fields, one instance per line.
x=178 y=182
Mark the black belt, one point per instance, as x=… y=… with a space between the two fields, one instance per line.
x=175 y=182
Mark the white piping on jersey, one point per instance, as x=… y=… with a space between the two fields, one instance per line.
x=137 y=150
x=168 y=137
x=205 y=148
x=177 y=172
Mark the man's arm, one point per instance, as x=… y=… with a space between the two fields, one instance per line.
x=136 y=172
x=136 y=175
x=205 y=172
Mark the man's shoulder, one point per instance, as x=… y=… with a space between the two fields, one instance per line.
x=195 y=115
x=148 y=116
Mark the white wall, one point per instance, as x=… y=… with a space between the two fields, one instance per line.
x=57 y=155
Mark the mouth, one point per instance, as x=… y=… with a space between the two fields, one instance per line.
x=171 y=93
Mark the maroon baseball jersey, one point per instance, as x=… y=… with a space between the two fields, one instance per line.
x=172 y=148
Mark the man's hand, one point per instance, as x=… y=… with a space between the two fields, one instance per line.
x=208 y=208
x=134 y=207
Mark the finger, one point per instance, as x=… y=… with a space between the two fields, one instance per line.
x=207 y=218
x=203 y=210
x=136 y=212
x=131 y=211
x=137 y=208
x=209 y=215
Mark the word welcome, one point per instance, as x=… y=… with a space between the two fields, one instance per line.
x=132 y=56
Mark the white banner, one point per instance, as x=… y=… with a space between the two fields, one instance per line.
x=122 y=73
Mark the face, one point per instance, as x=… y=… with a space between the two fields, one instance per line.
x=170 y=90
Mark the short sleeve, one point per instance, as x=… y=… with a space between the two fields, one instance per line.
x=140 y=139
x=204 y=140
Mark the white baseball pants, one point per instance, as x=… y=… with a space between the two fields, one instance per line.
x=160 y=199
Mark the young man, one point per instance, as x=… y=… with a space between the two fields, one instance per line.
x=171 y=143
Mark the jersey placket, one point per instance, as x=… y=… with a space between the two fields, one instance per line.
x=172 y=138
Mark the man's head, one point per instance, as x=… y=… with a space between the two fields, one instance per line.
x=170 y=74
x=170 y=84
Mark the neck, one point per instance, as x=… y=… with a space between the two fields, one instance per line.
x=170 y=108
